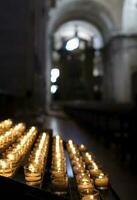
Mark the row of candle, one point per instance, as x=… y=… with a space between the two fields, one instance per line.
x=5 y=125
x=59 y=176
x=101 y=180
x=16 y=152
x=85 y=184
x=9 y=136
x=35 y=166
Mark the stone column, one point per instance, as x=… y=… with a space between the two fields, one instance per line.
x=40 y=54
x=120 y=59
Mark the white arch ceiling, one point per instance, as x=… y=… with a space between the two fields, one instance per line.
x=84 y=29
x=91 y=11
x=129 y=22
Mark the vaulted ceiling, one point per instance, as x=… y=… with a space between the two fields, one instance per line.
x=109 y=17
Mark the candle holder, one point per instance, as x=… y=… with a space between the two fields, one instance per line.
x=59 y=177
x=8 y=137
x=6 y=168
x=102 y=182
x=78 y=169
x=95 y=172
x=33 y=173
x=77 y=160
x=5 y=125
x=94 y=196
x=81 y=176
x=85 y=188
x=60 y=185
x=82 y=148
x=88 y=159
x=15 y=153
x=35 y=165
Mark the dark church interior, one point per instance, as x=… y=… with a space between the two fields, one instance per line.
x=68 y=99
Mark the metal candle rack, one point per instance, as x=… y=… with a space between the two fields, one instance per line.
x=44 y=190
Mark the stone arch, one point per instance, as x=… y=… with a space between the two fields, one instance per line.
x=90 y=31
x=93 y=12
x=90 y=11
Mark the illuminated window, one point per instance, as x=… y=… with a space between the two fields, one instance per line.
x=54 y=89
x=96 y=72
x=55 y=73
x=72 y=44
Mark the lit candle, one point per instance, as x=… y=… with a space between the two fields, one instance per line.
x=95 y=172
x=12 y=156
x=80 y=176
x=78 y=169
x=5 y=168
x=82 y=148
x=32 y=173
x=60 y=184
x=102 y=181
x=34 y=169
x=76 y=160
x=88 y=158
x=5 y=125
x=85 y=188
x=94 y=196
x=70 y=142
x=58 y=169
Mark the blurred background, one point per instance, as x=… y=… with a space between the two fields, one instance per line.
x=61 y=50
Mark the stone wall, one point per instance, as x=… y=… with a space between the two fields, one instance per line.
x=22 y=51
x=13 y=47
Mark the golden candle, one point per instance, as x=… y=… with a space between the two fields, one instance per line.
x=102 y=181
x=58 y=168
x=95 y=172
x=5 y=125
x=82 y=148
x=5 y=168
x=85 y=188
x=34 y=169
x=94 y=196
x=32 y=173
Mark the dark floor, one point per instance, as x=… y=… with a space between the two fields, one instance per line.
x=123 y=179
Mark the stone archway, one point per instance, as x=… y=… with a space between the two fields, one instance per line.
x=83 y=59
x=90 y=11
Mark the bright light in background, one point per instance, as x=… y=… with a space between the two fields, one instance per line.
x=72 y=44
x=53 y=79
x=96 y=72
x=54 y=89
x=55 y=73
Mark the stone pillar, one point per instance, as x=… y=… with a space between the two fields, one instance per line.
x=120 y=60
x=40 y=53
x=48 y=66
